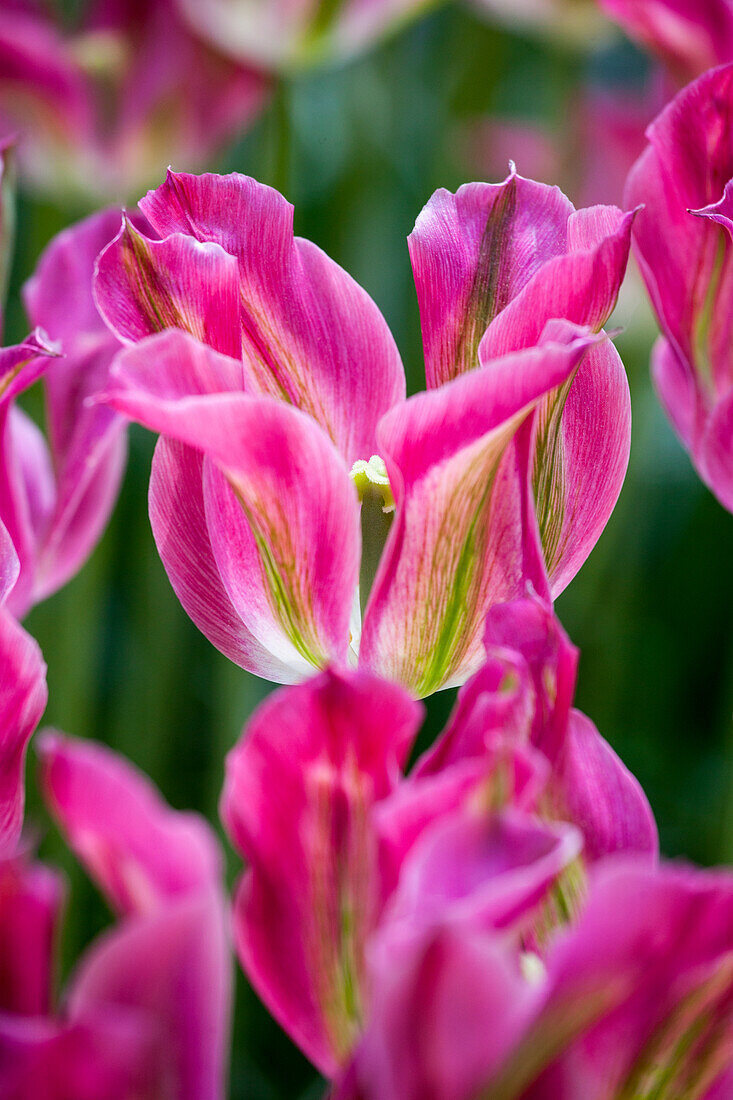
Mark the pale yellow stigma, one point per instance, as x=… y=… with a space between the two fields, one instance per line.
x=370 y=478
x=532 y=967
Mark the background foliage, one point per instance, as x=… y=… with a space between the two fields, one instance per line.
x=359 y=149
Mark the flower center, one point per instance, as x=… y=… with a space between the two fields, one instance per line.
x=377 y=513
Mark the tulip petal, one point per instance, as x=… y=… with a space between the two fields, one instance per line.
x=581 y=451
x=31 y=897
x=297 y=803
x=22 y=364
x=488 y=870
x=456 y=545
x=471 y=253
x=23 y=695
x=281 y=511
x=172 y=970
x=144 y=286
x=178 y=520
x=601 y=796
x=142 y=853
x=310 y=334
x=716 y=452
x=581 y=285
x=689 y=35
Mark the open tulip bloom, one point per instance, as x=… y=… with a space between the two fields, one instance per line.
x=146 y=1012
x=683 y=245
x=306 y=513
x=493 y=925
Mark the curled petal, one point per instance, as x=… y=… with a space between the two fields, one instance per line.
x=299 y=794
x=144 y=286
x=23 y=695
x=582 y=441
x=310 y=334
x=488 y=870
x=140 y=851
x=22 y=364
x=581 y=285
x=281 y=511
x=471 y=253
x=457 y=542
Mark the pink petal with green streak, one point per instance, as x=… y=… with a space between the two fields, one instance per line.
x=487 y=870
x=23 y=364
x=686 y=260
x=457 y=543
x=471 y=253
x=178 y=519
x=299 y=794
x=582 y=441
x=281 y=511
x=142 y=853
x=23 y=695
x=310 y=335
x=144 y=286
x=581 y=285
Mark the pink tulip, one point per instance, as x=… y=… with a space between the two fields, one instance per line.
x=690 y=36
x=253 y=511
x=56 y=496
x=146 y=1012
x=100 y=110
x=339 y=843
x=634 y=998
x=682 y=242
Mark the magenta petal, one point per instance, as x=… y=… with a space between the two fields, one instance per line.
x=445 y=1015
x=689 y=35
x=457 y=543
x=581 y=451
x=580 y=285
x=22 y=364
x=601 y=796
x=9 y=563
x=310 y=334
x=144 y=286
x=171 y=970
x=178 y=519
x=142 y=853
x=281 y=511
x=31 y=896
x=23 y=695
x=716 y=453
x=675 y=386
x=471 y=253
x=489 y=870
x=297 y=802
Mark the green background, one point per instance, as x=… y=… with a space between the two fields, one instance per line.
x=359 y=149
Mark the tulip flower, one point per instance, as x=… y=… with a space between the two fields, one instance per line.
x=633 y=1000
x=146 y=1012
x=338 y=841
x=689 y=36
x=100 y=109
x=295 y=382
x=682 y=242
x=57 y=495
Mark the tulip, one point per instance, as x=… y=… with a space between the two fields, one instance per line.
x=497 y=475
x=682 y=243
x=338 y=841
x=146 y=1012
x=633 y=1000
x=100 y=110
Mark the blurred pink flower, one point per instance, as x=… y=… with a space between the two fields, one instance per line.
x=102 y=110
x=689 y=36
x=683 y=246
x=638 y=993
x=337 y=841
x=495 y=476
x=146 y=1012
